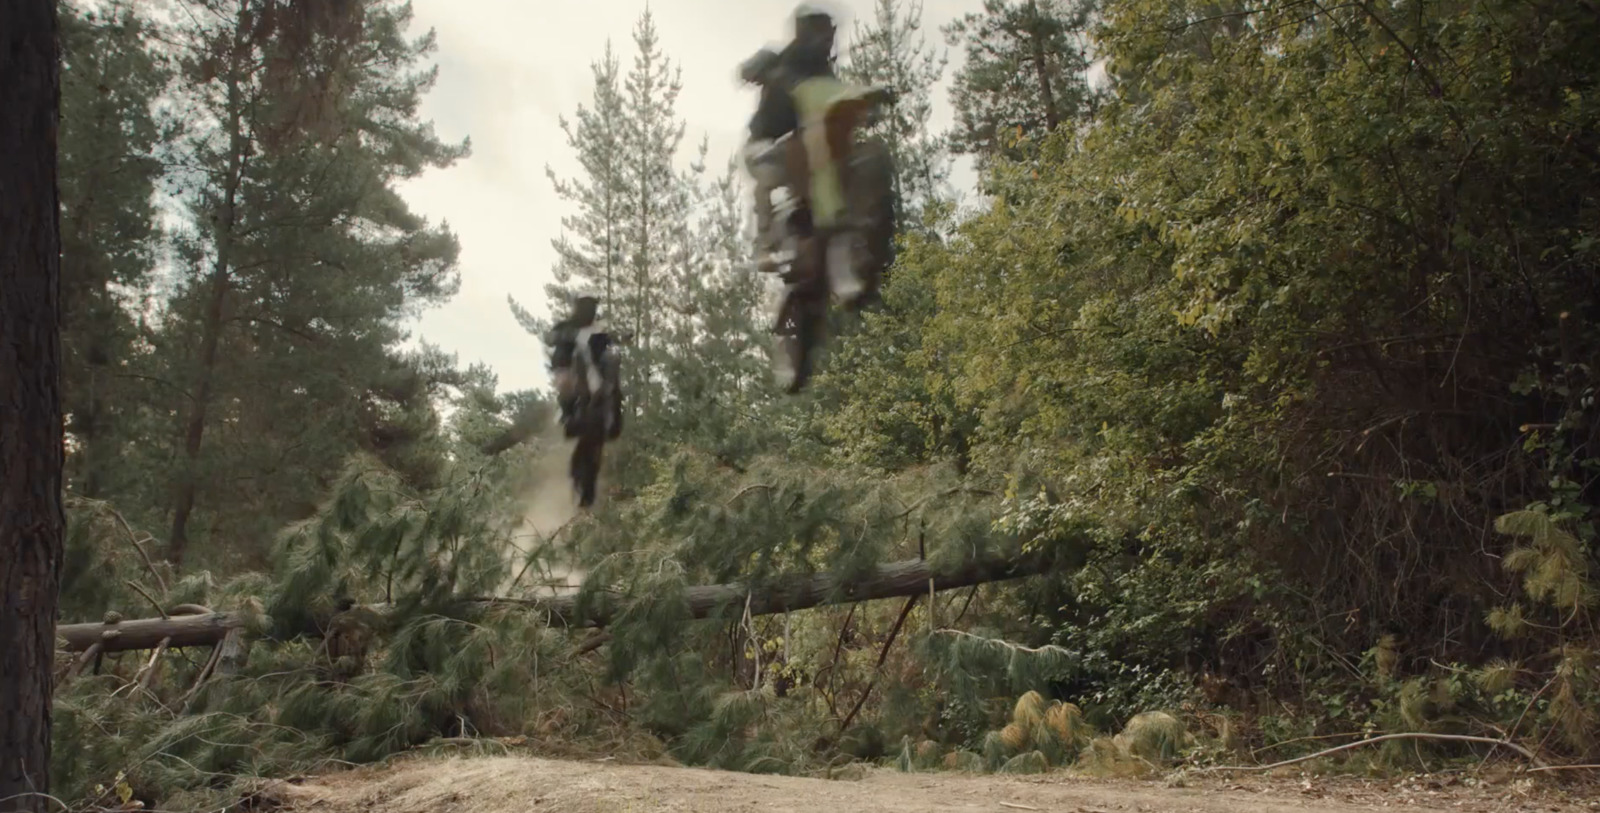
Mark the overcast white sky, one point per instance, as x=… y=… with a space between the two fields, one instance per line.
x=507 y=70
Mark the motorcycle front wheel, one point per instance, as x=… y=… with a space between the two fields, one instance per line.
x=798 y=341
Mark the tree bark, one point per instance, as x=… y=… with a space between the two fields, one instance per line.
x=32 y=521
x=896 y=579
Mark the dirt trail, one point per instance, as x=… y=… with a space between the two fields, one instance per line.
x=522 y=784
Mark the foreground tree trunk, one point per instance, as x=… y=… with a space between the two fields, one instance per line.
x=896 y=579
x=31 y=454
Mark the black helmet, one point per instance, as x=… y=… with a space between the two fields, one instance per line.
x=813 y=25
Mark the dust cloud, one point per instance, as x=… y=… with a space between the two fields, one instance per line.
x=549 y=506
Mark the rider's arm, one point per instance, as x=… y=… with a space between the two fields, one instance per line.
x=775 y=115
x=559 y=341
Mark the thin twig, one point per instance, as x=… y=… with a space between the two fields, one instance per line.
x=1008 y=644
x=30 y=795
x=980 y=492
x=200 y=680
x=970 y=595
x=546 y=539
x=1564 y=768
x=146 y=675
x=147 y=597
x=747 y=489
x=1015 y=806
x=1403 y=736
x=134 y=539
x=833 y=663
x=755 y=643
x=1411 y=53
x=1304 y=739
x=83 y=660
x=1529 y=707
x=882 y=656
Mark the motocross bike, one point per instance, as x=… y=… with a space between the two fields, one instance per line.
x=595 y=416
x=859 y=249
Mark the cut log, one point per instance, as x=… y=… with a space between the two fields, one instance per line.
x=145 y=633
x=897 y=579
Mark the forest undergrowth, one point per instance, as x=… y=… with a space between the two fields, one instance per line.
x=1266 y=354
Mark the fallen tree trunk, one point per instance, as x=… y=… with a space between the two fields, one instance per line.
x=145 y=633
x=894 y=580
x=897 y=579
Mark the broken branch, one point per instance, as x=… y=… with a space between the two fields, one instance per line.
x=1533 y=758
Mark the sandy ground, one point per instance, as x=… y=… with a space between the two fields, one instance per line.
x=523 y=784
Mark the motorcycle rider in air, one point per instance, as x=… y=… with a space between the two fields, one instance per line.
x=798 y=84
x=581 y=332
x=588 y=390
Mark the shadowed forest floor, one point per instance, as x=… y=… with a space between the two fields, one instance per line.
x=519 y=784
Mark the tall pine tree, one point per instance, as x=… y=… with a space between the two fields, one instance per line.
x=656 y=200
x=304 y=259
x=632 y=200
x=1026 y=73
x=590 y=252
x=715 y=367
x=110 y=78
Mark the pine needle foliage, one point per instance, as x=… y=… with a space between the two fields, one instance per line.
x=383 y=576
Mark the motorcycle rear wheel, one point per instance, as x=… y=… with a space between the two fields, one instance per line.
x=799 y=339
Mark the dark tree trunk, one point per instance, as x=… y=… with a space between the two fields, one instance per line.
x=221 y=282
x=1041 y=69
x=194 y=431
x=31 y=454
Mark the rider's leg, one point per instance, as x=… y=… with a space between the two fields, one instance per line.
x=766 y=169
x=813 y=99
x=565 y=390
x=827 y=190
x=840 y=266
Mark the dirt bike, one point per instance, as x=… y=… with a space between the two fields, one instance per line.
x=595 y=415
x=859 y=250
